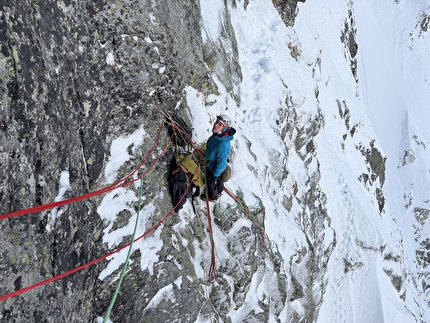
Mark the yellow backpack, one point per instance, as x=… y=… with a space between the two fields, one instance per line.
x=190 y=166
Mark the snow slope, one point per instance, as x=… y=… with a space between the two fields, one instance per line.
x=395 y=90
x=390 y=97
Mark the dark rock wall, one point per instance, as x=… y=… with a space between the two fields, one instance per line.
x=287 y=10
x=61 y=104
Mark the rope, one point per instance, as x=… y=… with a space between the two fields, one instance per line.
x=213 y=272
x=251 y=214
x=121 y=183
x=124 y=268
x=205 y=287
x=175 y=126
x=72 y=271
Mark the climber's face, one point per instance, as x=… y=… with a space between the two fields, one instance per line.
x=218 y=127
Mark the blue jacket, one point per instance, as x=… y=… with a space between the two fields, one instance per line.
x=217 y=151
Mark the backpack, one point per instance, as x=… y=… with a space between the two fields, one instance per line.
x=226 y=174
x=190 y=165
x=179 y=182
x=182 y=132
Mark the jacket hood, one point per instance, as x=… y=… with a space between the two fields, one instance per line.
x=231 y=133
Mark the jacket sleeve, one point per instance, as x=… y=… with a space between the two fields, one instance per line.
x=221 y=160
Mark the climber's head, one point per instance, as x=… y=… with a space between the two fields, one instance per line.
x=221 y=124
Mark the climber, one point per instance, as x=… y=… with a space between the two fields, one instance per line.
x=216 y=154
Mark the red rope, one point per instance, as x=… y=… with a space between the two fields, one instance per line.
x=121 y=183
x=72 y=271
x=175 y=126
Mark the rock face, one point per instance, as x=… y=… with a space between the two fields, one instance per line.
x=74 y=75
x=287 y=10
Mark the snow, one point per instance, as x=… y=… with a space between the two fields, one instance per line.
x=64 y=186
x=123 y=200
x=388 y=108
x=212 y=19
x=119 y=152
x=110 y=59
x=163 y=294
x=396 y=96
